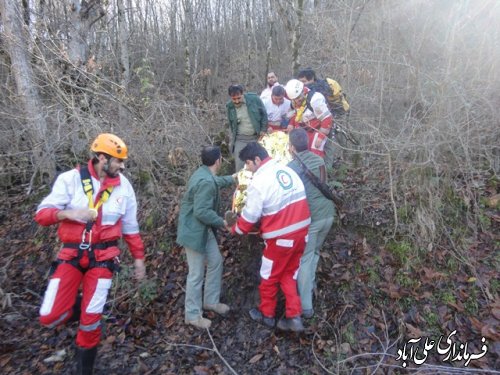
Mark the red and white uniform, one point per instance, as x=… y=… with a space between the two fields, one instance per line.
x=116 y=217
x=276 y=113
x=276 y=197
x=319 y=118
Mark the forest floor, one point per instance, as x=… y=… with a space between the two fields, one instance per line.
x=372 y=297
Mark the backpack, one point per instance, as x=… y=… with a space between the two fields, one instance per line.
x=332 y=91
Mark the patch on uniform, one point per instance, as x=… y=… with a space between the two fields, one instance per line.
x=50 y=297
x=284 y=179
x=96 y=304
x=266 y=268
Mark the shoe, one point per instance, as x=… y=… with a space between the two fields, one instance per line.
x=308 y=313
x=85 y=359
x=291 y=324
x=256 y=315
x=201 y=322
x=219 y=308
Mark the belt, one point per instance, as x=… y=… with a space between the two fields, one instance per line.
x=94 y=246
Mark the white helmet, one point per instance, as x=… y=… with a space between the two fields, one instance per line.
x=294 y=88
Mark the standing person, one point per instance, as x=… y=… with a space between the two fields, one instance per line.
x=272 y=81
x=275 y=197
x=94 y=206
x=311 y=113
x=322 y=215
x=196 y=231
x=247 y=118
x=336 y=101
x=277 y=108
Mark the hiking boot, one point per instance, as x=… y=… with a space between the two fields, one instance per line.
x=256 y=315
x=291 y=324
x=219 y=308
x=201 y=322
x=308 y=313
x=85 y=359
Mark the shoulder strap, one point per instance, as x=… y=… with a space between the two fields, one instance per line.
x=308 y=100
x=86 y=179
x=88 y=189
x=321 y=186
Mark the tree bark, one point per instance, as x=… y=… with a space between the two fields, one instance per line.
x=296 y=37
x=15 y=37
x=124 y=61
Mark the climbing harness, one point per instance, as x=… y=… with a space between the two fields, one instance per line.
x=86 y=242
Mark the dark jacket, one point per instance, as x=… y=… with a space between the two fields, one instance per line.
x=199 y=209
x=256 y=111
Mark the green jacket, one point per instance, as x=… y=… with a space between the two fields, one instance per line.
x=256 y=111
x=319 y=206
x=199 y=208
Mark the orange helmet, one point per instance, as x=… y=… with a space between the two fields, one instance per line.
x=110 y=144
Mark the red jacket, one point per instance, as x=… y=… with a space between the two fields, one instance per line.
x=276 y=196
x=116 y=217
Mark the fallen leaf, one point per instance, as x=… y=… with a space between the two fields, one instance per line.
x=5 y=360
x=496 y=313
x=490 y=332
x=256 y=358
x=413 y=332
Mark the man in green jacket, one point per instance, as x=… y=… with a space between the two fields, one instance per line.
x=247 y=118
x=198 y=222
x=322 y=215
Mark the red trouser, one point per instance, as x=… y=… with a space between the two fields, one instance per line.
x=280 y=264
x=61 y=294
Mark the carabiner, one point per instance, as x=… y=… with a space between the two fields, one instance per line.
x=86 y=245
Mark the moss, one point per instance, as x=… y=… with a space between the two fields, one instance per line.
x=432 y=322
x=349 y=334
x=401 y=250
x=495 y=286
x=446 y=296
x=406 y=303
x=471 y=304
x=373 y=276
x=404 y=279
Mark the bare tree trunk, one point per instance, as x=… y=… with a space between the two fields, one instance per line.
x=188 y=14
x=249 y=43
x=80 y=25
x=12 y=19
x=296 y=37
x=269 y=43
x=124 y=61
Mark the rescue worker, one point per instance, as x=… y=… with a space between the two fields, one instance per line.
x=278 y=110
x=276 y=198
x=247 y=118
x=198 y=223
x=94 y=206
x=272 y=81
x=322 y=215
x=311 y=113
